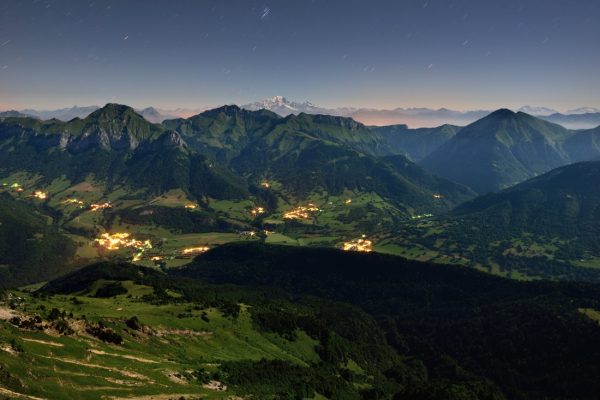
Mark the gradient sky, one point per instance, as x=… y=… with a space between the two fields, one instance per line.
x=460 y=54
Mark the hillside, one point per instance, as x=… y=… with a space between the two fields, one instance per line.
x=223 y=132
x=113 y=144
x=31 y=248
x=338 y=154
x=562 y=203
x=500 y=150
x=418 y=143
x=584 y=145
x=546 y=227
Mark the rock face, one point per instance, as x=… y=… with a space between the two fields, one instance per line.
x=168 y=140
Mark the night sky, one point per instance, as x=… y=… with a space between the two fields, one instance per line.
x=460 y=54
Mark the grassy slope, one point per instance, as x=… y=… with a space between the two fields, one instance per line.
x=70 y=370
x=186 y=326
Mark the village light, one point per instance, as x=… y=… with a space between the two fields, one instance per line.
x=301 y=212
x=195 y=250
x=257 y=211
x=100 y=206
x=362 y=244
x=38 y=194
x=117 y=241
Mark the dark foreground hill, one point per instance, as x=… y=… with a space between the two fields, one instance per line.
x=416 y=143
x=478 y=336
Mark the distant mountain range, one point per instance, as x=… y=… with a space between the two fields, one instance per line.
x=579 y=118
x=152 y=114
x=499 y=150
x=575 y=121
x=14 y=114
x=63 y=114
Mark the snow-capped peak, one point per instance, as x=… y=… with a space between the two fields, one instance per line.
x=284 y=107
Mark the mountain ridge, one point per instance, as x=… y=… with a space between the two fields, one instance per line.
x=416 y=117
x=500 y=150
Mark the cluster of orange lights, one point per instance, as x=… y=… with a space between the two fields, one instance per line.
x=256 y=211
x=301 y=212
x=265 y=184
x=195 y=250
x=38 y=194
x=191 y=206
x=94 y=207
x=116 y=241
x=360 y=244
